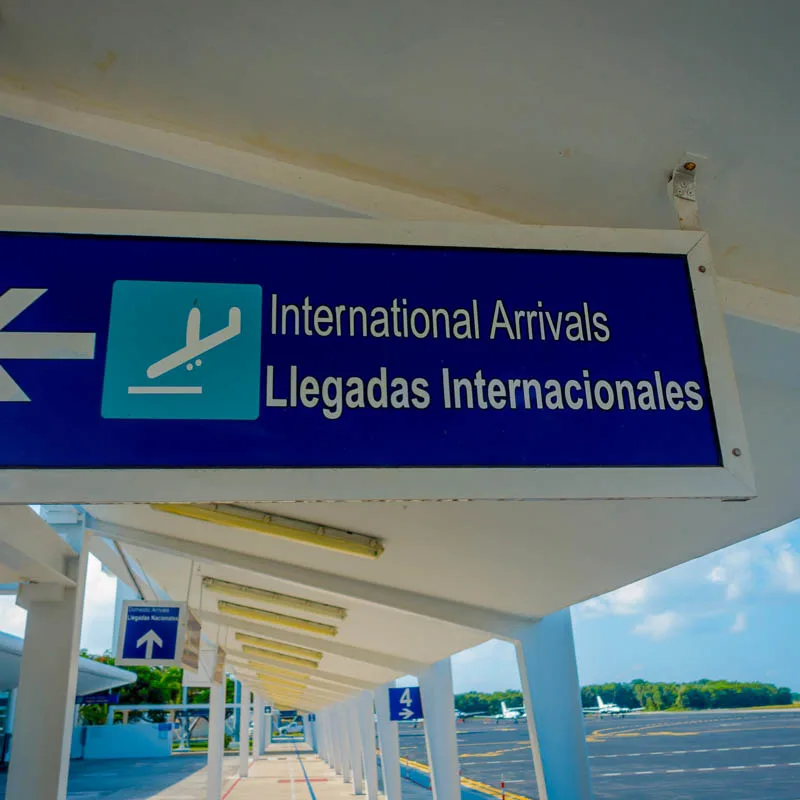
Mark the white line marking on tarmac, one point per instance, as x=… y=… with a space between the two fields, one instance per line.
x=698 y=750
x=696 y=769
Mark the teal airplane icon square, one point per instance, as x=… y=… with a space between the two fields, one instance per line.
x=183 y=351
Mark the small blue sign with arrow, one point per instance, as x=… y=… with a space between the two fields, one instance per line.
x=405 y=704
x=151 y=634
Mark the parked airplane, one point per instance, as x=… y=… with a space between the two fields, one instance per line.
x=609 y=709
x=515 y=714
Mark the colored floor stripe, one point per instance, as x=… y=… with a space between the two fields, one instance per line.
x=305 y=774
x=231 y=789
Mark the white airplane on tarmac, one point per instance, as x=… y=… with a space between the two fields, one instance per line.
x=515 y=714
x=610 y=709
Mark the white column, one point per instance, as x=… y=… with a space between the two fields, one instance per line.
x=258 y=723
x=333 y=738
x=216 y=740
x=310 y=729
x=356 y=751
x=265 y=731
x=336 y=742
x=366 y=728
x=551 y=691
x=390 y=745
x=244 y=732
x=48 y=678
x=438 y=705
x=343 y=732
x=319 y=736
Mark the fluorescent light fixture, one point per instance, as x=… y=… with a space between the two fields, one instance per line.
x=277 y=672
x=273 y=617
x=257 y=651
x=311 y=684
x=274 y=598
x=267 y=680
x=232 y=516
x=271 y=644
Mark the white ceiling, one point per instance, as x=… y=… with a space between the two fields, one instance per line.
x=569 y=113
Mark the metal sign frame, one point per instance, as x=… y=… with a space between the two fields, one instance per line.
x=151 y=662
x=733 y=480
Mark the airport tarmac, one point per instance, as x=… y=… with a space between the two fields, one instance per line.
x=730 y=755
x=175 y=778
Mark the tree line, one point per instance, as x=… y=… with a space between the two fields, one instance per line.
x=651 y=696
x=697 y=695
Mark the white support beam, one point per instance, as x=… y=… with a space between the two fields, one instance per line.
x=336 y=740
x=496 y=623
x=343 y=729
x=356 y=749
x=216 y=740
x=109 y=555
x=390 y=745
x=48 y=680
x=404 y=666
x=244 y=731
x=366 y=727
x=551 y=692
x=338 y=191
x=759 y=304
x=436 y=687
x=31 y=548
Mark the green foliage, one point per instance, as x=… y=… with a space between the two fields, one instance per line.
x=488 y=704
x=700 y=694
x=153 y=686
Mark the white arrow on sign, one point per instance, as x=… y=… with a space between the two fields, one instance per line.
x=33 y=345
x=406 y=713
x=149 y=639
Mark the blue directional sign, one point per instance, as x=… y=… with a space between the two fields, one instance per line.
x=312 y=717
x=151 y=634
x=405 y=704
x=179 y=353
x=101 y=698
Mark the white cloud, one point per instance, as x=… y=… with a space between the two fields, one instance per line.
x=718 y=574
x=659 y=626
x=98 y=609
x=12 y=617
x=622 y=602
x=739 y=623
x=787 y=569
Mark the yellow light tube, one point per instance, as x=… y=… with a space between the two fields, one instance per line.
x=271 y=644
x=258 y=651
x=267 y=680
x=277 y=683
x=275 y=598
x=277 y=672
x=273 y=617
x=232 y=516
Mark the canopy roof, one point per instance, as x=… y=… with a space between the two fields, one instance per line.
x=563 y=113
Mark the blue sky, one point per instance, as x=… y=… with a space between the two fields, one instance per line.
x=733 y=614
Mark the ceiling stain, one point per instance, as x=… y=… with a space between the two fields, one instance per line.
x=105 y=63
x=337 y=165
x=730 y=250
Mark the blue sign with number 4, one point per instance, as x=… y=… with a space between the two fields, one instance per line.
x=405 y=704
